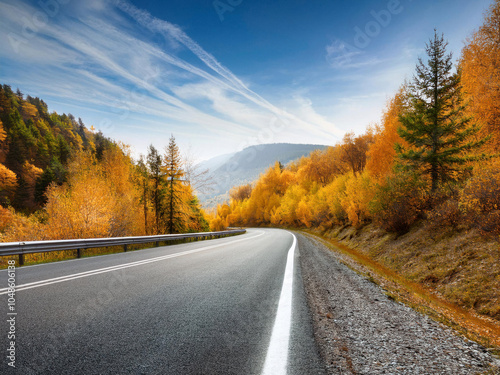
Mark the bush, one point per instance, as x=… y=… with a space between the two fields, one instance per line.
x=444 y=208
x=399 y=202
x=446 y=214
x=480 y=199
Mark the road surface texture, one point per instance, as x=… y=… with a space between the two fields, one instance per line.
x=250 y=304
x=206 y=312
x=361 y=331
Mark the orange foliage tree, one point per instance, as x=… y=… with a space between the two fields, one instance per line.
x=382 y=153
x=355 y=149
x=240 y=193
x=480 y=67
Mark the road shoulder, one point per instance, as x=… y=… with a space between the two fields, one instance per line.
x=360 y=330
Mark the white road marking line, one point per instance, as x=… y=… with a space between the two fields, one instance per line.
x=60 y=279
x=277 y=353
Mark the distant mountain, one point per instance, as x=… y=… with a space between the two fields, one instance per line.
x=214 y=163
x=245 y=166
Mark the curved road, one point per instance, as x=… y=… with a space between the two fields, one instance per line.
x=228 y=306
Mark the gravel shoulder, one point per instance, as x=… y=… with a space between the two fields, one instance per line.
x=360 y=330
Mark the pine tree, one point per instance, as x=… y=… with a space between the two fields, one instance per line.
x=174 y=199
x=155 y=166
x=144 y=182
x=435 y=127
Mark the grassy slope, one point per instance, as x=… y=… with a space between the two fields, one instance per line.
x=452 y=275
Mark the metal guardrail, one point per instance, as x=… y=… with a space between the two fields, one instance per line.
x=29 y=247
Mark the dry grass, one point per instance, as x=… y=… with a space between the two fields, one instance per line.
x=453 y=278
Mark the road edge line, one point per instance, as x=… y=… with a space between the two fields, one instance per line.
x=277 y=352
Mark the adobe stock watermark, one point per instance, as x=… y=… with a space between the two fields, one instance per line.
x=11 y=314
x=224 y=6
x=31 y=26
x=341 y=53
x=128 y=103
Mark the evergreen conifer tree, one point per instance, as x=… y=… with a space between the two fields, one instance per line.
x=174 y=198
x=435 y=127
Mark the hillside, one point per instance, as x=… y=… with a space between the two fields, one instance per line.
x=245 y=166
x=35 y=148
x=60 y=180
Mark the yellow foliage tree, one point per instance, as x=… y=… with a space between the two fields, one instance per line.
x=6 y=217
x=3 y=148
x=82 y=208
x=119 y=172
x=30 y=174
x=99 y=199
x=217 y=224
x=28 y=110
x=359 y=191
x=3 y=133
x=288 y=209
x=8 y=179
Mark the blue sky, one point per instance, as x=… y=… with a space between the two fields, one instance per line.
x=225 y=74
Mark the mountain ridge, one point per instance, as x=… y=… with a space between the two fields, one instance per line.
x=245 y=166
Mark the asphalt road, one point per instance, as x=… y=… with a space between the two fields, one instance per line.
x=228 y=306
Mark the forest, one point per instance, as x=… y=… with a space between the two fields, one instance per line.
x=432 y=157
x=61 y=180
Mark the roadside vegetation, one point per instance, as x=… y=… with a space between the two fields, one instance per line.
x=420 y=191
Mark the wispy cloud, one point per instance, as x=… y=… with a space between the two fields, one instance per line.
x=105 y=57
x=340 y=54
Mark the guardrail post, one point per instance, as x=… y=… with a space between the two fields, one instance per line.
x=125 y=248
x=157 y=243
x=78 y=253
x=21 y=259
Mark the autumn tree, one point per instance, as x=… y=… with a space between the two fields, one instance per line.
x=382 y=153
x=8 y=183
x=3 y=133
x=120 y=174
x=83 y=207
x=354 y=150
x=100 y=198
x=480 y=66
x=323 y=165
x=240 y=193
x=435 y=126
x=30 y=175
x=8 y=179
